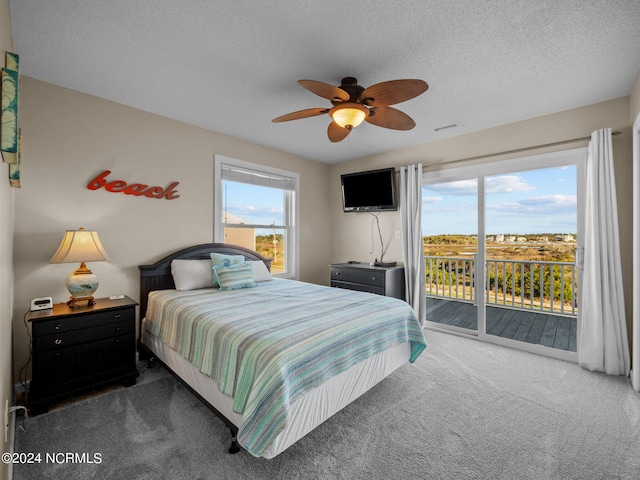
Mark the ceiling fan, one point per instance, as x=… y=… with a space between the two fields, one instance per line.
x=353 y=104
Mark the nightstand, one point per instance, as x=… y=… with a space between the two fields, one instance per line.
x=81 y=348
x=388 y=281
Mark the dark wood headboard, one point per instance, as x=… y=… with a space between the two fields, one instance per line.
x=158 y=275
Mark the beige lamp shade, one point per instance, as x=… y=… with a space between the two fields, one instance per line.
x=81 y=246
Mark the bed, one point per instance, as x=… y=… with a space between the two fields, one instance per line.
x=273 y=358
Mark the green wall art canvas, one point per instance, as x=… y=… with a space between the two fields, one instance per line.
x=14 y=168
x=9 y=143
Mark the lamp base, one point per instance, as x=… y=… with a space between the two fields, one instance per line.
x=73 y=300
x=82 y=284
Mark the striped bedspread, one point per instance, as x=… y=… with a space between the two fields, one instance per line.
x=267 y=345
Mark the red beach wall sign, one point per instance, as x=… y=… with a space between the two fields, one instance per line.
x=137 y=189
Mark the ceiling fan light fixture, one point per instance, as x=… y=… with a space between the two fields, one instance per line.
x=353 y=104
x=349 y=115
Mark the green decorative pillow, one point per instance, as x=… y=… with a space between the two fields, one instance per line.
x=221 y=260
x=234 y=277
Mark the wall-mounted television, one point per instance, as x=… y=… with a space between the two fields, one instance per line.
x=370 y=191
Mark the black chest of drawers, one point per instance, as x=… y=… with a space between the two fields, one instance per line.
x=81 y=348
x=388 y=281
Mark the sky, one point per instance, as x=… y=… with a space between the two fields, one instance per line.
x=254 y=204
x=535 y=201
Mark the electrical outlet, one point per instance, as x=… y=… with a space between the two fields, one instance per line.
x=6 y=421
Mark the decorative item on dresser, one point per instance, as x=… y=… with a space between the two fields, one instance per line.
x=77 y=349
x=388 y=281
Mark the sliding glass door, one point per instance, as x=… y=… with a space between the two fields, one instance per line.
x=450 y=234
x=531 y=240
x=500 y=244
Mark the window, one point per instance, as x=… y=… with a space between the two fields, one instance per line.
x=256 y=207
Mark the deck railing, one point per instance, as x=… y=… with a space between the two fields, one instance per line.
x=549 y=287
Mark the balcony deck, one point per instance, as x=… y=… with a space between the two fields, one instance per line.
x=556 y=331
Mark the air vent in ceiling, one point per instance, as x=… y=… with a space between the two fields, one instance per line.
x=444 y=127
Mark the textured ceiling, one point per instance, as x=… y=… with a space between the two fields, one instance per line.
x=232 y=66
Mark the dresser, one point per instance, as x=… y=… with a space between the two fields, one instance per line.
x=388 y=281
x=81 y=348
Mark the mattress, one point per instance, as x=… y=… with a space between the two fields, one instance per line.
x=307 y=411
x=267 y=346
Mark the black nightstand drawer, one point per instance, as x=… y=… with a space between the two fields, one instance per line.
x=81 y=347
x=65 y=324
x=359 y=287
x=73 y=337
x=74 y=367
x=360 y=275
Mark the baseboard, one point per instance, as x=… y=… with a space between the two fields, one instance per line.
x=12 y=440
x=12 y=431
x=635 y=380
x=19 y=393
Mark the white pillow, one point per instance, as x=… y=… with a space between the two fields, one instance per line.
x=260 y=271
x=192 y=274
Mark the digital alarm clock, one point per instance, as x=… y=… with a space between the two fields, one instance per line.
x=42 y=303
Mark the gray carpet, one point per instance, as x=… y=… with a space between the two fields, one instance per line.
x=464 y=410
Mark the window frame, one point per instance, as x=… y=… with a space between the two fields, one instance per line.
x=290 y=214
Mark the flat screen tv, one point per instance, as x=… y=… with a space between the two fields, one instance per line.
x=370 y=191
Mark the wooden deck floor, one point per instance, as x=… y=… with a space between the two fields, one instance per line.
x=532 y=327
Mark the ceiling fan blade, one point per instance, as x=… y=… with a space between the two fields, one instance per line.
x=309 y=112
x=392 y=92
x=330 y=92
x=389 y=117
x=337 y=133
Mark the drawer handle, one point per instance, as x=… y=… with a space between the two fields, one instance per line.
x=58 y=326
x=118 y=329
x=337 y=274
x=58 y=341
x=117 y=315
x=373 y=278
x=117 y=340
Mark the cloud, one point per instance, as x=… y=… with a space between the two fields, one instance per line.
x=260 y=215
x=507 y=184
x=499 y=184
x=431 y=200
x=462 y=187
x=556 y=201
x=544 y=205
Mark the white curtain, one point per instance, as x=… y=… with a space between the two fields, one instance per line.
x=603 y=342
x=412 y=248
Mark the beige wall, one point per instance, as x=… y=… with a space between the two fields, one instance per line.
x=7 y=198
x=351 y=236
x=635 y=100
x=70 y=137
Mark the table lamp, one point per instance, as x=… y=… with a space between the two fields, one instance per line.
x=80 y=246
